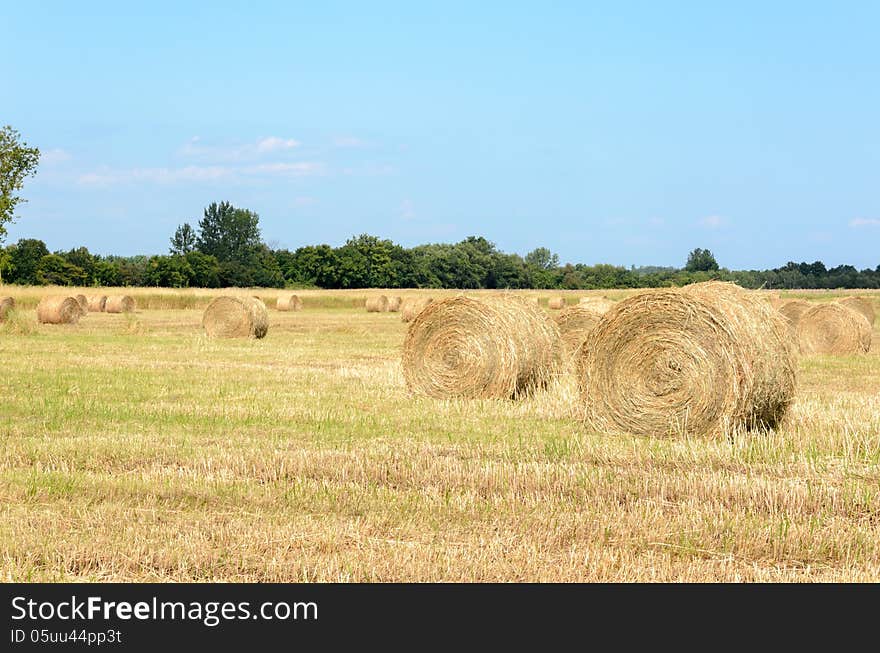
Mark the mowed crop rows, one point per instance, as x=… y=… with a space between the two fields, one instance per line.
x=135 y=448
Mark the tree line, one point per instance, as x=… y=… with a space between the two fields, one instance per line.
x=226 y=250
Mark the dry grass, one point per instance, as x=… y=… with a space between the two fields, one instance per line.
x=166 y=456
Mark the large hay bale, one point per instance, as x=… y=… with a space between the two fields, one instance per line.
x=861 y=305
x=412 y=307
x=120 y=304
x=556 y=303
x=7 y=304
x=377 y=304
x=499 y=348
x=96 y=303
x=575 y=325
x=236 y=317
x=289 y=303
x=699 y=360
x=83 y=303
x=793 y=309
x=58 y=310
x=597 y=304
x=394 y=304
x=833 y=329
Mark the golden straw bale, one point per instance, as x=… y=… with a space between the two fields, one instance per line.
x=377 y=304
x=412 y=307
x=120 y=304
x=556 y=303
x=833 y=328
x=236 y=317
x=7 y=304
x=96 y=303
x=289 y=303
x=501 y=348
x=394 y=304
x=58 y=310
x=701 y=360
x=862 y=305
x=575 y=325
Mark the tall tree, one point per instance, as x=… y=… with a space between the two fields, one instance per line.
x=17 y=162
x=184 y=240
x=701 y=260
x=228 y=233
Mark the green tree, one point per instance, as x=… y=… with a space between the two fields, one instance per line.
x=204 y=269
x=701 y=260
x=542 y=259
x=17 y=162
x=184 y=240
x=24 y=258
x=54 y=270
x=228 y=233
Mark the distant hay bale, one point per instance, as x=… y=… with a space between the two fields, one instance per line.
x=120 y=304
x=556 y=303
x=597 y=304
x=700 y=360
x=7 y=304
x=96 y=303
x=83 y=303
x=833 y=328
x=862 y=305
x=58 y=310
x=793 y=309
x=377 y=304
x=289 y=303
x=412 y=307
x=500 y=348
x=236 y=317
x=575 y=325
x=394 y=304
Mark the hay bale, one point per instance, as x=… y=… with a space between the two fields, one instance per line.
x=412 y=307
x=861 y=305
x=501 y=348
x=556 y=303
x=377 y=304
x=58 y=310
x=394 y=304
x=120 y=304
x=700 y=360
x=236 y=317
x=597 y=304
x=289 y=303
x=83 y=303
x=96 y=303
x=575 y=325
x=793 y=309
x=833 y=328
x=7 y=304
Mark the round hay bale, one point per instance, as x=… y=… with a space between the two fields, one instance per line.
x=83 y=303
x=556 y=303
x=833 y=329
x=596 y=304
x=377 y=304
x=58 y=310
x=120 y=304
x=699 y=360
x=394 y=304
x=861 y=305
x=236 y=317
x=7 y=304
x=412 y=307
x=496 y=348
x=96 y=303
x=793 y=309
x=575 y=325
x=289 y=303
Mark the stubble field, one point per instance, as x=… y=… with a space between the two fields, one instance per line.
x=132 y=448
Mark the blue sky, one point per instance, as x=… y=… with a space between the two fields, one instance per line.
x=618 y=132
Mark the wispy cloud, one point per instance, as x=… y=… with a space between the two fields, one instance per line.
x=203 y=174
x=349 y=141
x=195 y=148
x=864 y=222
x=54 y=156
x=713 y=222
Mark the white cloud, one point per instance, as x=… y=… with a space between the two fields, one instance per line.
x=54 y=156
x=713 y=222
x=194 y=148
x=349 y=141
x=864 y=222
x=196 y=174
